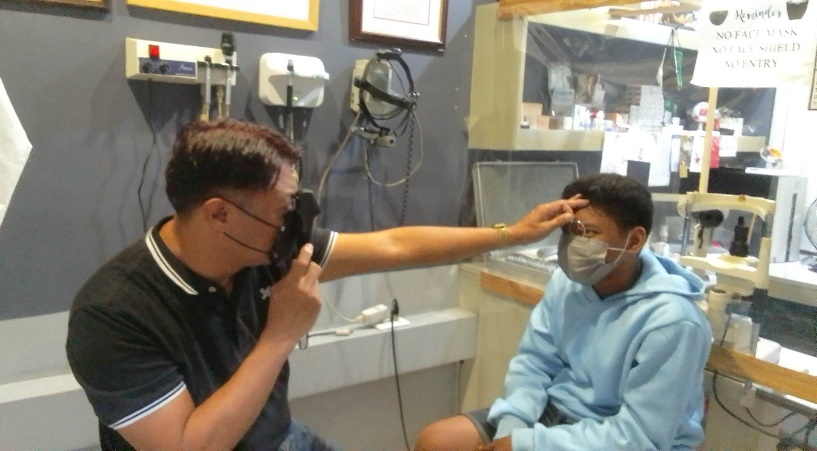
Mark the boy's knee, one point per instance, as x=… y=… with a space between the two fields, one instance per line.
x=429 y=437
x=450 y=434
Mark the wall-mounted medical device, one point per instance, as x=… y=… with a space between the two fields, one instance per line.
x=300 y=79
x=187 y=64
x=177 y=63
x=380 y=76
x=376 y=102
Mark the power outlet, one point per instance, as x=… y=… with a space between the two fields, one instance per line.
x=360 y=66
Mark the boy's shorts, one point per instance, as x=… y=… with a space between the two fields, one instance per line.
x=551 y=417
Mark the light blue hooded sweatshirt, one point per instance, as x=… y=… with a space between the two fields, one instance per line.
x=629 y=367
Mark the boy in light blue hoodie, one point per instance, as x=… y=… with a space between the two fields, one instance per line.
x=614 y=353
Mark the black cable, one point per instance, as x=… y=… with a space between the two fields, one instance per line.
x=395 y=309
x=370 y=187
x=370 y=183
x=303 y=167
x=732 y=414
x=807 y=439
x=147 y=158
x=408 y=173
x=771 y=425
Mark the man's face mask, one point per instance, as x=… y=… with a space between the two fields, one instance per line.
x=583 y=259
x=292 y=235
x=296 y=232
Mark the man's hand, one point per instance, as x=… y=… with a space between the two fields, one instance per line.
x=295 y=300
x=503 y=444
x=544 y=219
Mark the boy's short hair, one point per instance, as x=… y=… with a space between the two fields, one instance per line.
x=209 y=158
x=623 y=199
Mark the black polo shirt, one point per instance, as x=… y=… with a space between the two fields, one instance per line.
x=145 y=327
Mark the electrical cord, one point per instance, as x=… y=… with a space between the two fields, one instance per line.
x=415 y=119
x=147 y=158
x=370 y=191
x=741 y=420
x=303 y=165
x=342 y=146
x=331 y=306
x=404 y=205
x=395 y=310
x=770 y=425
x=807 y=439
x=370 y=180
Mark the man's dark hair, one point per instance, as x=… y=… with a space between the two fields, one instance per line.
x=623 y=199
x=227 y=154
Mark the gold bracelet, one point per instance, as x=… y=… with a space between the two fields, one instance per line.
x=502 y=231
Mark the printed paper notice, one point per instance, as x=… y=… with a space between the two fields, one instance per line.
x=614 y=153
x=756 y=43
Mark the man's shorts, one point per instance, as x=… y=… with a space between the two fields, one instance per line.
x=551 y=417
x=301 y=438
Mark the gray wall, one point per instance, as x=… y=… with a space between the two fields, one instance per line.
x=92 y=130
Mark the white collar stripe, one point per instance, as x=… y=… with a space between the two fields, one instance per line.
x=165 y=266
x=147 y=410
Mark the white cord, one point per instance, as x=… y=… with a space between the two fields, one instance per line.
x=331 y=306
x=335 y=157
x=411 y=173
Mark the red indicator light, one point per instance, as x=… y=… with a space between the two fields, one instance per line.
x=153 y=51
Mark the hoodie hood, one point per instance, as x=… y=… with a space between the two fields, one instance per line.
x=662 y=275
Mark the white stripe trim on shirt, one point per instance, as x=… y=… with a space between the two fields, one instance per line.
x=150 y=408
x=333 y=237
x=165 y=266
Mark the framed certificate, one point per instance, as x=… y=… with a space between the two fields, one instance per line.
x=301 y=14
x=398 y=23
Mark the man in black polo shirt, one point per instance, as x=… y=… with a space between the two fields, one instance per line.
x=182 y=340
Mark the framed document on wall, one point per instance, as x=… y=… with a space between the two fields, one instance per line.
x=398 y=23
x=301 y=14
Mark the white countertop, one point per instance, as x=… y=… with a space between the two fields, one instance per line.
x=793 y=281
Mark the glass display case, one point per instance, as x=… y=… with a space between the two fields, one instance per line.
x=559 y=81
x=506 y=191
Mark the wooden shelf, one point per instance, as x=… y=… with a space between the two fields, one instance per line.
x=510 y=288
x=515 y=8
x=684 y=6
x=778 y=378
x=488 y=135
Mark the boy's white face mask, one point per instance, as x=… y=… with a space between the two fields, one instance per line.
x=584 y=259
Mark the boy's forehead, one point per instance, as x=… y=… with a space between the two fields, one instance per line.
x=593 y=217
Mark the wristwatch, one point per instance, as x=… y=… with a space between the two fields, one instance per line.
x=502 y=231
